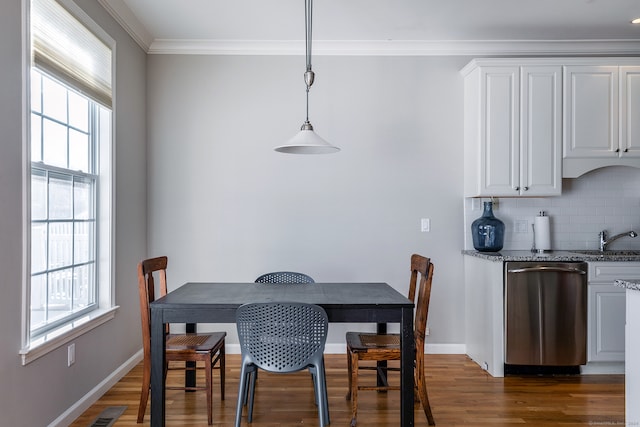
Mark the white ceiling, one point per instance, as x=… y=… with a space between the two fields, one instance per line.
x=231 y=26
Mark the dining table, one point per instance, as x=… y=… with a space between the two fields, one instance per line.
x=344 y=302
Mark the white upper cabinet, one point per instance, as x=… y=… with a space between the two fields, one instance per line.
x=630 y=111
x=591 y=111
x=529 y=122
x=512 y=129
x=541 y=130
x=601 y=110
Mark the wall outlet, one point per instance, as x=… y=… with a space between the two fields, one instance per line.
x=425 y=225
x=71 y=354
x=521 y=226
x=426 y=331
x=485 y=366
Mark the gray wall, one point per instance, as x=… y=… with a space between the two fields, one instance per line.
x=37 y=394
x=225 y=207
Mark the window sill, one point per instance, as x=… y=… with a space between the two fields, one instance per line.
x=51 y=341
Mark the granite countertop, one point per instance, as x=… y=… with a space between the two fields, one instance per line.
x=554 y=256
x=628 y=284
x=503 y=256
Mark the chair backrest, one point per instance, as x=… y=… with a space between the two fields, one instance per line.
x=284 y=277
x=421 y=268
x=281 y=336
x=147 y=293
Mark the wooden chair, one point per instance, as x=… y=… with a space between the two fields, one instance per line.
x=380 y=348
x=207 y=348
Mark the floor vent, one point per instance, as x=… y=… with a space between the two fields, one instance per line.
x=103 y=422
x=108 y=417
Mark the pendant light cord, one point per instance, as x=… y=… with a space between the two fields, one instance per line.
x=307 y=119
x=308 y=13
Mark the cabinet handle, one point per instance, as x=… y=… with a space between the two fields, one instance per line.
x=617 y=150
x=626 y=150
x=526 y=188
x=516 y=188
x=542 y=268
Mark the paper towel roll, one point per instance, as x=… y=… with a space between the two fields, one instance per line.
x=542 y=233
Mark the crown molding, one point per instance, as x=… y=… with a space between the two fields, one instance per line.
x=399 y=47
x=125 y=17
x=127 y=20
x=585 y=60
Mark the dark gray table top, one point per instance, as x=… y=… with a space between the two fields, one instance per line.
x=327 y=295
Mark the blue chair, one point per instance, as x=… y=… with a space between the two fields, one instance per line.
x=281 y=337
x=279 y=277
x=284 y=277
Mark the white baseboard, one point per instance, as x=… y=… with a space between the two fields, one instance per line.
x=445 y=349
x=602 y=368
x=78 y=408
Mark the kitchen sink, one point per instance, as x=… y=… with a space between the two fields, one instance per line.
x=608 y=252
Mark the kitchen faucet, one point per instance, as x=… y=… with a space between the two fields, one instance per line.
x=604 y=242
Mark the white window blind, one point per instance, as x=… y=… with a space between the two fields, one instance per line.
x=65 y=48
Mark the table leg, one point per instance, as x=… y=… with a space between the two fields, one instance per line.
x=190 y=373
x=406 y=368
x=381 y=379
x=157 y=368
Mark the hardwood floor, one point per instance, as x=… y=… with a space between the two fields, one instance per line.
x=461 y=394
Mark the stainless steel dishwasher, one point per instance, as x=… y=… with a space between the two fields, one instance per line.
x=545 y=314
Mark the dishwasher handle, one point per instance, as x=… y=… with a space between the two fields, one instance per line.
x=546 y=269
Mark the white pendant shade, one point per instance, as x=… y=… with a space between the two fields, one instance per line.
x=307 y=142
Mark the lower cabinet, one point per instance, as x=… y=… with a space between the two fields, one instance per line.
x=484 y=309
x=606 y=323
x=607 y=307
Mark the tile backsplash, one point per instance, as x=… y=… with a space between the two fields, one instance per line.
x=604 y=199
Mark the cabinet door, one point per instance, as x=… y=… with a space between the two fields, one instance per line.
x=500 y=148
x=540 y=131
x=606 y=323
x=591 y=112
x=630 y=111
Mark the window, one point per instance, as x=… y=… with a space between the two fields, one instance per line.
x=69 y=287
x=63 y=203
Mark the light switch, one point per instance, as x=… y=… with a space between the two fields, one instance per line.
x=425 y=225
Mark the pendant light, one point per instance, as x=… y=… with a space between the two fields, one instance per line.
x=307 y=141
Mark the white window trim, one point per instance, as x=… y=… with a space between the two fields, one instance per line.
x=64 y=334
x=31 y=351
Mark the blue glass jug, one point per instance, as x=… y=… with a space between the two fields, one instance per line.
x=487 y=231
